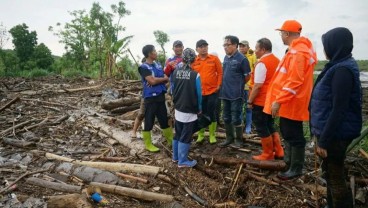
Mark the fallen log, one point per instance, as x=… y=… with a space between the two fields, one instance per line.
x=18 y=143
x=114 y=167
x=263 y=180
x=112 y=104
x=54 y=186
x=136 y=146
x=50 y=103
x=125 y=109
x=135 y=193
x=9 y=103
x=266 y=164
x=142 y=180
x=43 y=91
x=70 y=201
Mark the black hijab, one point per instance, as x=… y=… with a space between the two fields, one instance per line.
x=338 y=44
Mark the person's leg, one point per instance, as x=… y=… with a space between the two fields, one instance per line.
x=292 y=132
x=161 y=114
x=204 y=112
x=277 y=148
x=218 y=111
x=229 y=127
x=138 y=120
x=261 y=123
x=211 y=108
x=236 y=119
x=149 y=119
x=338 y=193
x=175 y=146
x=248 y=115
x=184 y=142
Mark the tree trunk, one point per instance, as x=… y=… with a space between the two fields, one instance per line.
x=68 y=201
x=54 y=186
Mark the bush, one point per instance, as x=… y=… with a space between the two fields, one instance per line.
x=38 y=73
x=76 y=73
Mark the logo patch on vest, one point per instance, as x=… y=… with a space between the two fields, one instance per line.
x=183 y=74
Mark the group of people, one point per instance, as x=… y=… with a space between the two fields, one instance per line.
x=269 y=88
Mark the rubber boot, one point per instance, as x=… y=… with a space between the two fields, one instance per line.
x=287 y=154
x=168 y=134
x=200 y=136
x=267 y=149
x=212 y=128
x=239 y=143
x=183 y=151
x=175 y=145
x=277 y=148
x=148 y=142
x=229 y=128
x=296 y=165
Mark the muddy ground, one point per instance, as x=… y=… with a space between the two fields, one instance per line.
x=58 y=125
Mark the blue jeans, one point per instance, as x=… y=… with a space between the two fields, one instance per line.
x=233 y=111
x=248 y=111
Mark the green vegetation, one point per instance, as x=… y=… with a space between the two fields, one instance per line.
x=363 y=65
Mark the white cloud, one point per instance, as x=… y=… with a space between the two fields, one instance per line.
x=192 y=20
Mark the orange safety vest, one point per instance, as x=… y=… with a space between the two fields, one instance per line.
x=210 y=70
x=271 y=62
x=292 y=83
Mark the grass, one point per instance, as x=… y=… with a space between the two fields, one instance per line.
x=363 y=65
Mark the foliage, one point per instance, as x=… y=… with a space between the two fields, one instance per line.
x=9 y=60
x=127 y=69
x=363 y=65
x=92 y=39
x=161 y=38
x=24 y=42
x=42 y=56
x=161 y=58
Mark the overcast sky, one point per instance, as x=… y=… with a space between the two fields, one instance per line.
x=191 y=20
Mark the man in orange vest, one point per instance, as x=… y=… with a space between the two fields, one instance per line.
x=210 y=69
x=289 y=94
x=263 y=72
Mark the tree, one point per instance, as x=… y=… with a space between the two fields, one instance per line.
x=161 y=38
x=24 y=42
x=42 y=56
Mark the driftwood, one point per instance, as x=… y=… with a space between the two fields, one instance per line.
x=53 y=185
x=135 y=146
x=115 y=167
x=112 y=104
x=68 y=201
x=135 y=193
x=18 y=143
x=266 y=164
x=142 y=180
x=22 y=176
x=9 y=103
x=50 y=103
x=130 y=115
x=15 y=127
x=27 y=128
x=261 y=179
x=125 y=109
x=226 y=204
x=43 y=91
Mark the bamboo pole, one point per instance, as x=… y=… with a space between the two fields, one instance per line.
x=114 y=167
x=356 y=141
x=135 y=193
x=9 y=103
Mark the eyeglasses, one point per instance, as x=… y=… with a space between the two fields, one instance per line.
x=227 y=45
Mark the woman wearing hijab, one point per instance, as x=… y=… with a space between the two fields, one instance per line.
x=336 y=112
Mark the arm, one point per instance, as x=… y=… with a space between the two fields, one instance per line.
x=294 y=80
x=219 y=72
x=199 y=92
x=342 y=85
x=156 y=80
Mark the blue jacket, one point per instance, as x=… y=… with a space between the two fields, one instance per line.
x=321 y=105
x=152 y=91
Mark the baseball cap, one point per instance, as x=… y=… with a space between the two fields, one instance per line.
x=189 y=55
x=177 y=42
x=291 y=26
x=201 y=42
x=244 y=42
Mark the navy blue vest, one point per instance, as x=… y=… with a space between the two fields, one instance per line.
x=152 y=91
x=321 y=104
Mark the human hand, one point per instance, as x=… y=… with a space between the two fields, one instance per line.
x=172 y=63
x=275 y=107
x=250 y=106
x=321 y=152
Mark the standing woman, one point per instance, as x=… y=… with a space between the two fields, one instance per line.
x=336 y=112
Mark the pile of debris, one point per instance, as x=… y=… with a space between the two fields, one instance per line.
x=66 y=143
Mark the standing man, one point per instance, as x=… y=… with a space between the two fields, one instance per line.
x=210 y=69
x=249 y=54
x=263 y=72
x=235 y=73
x=289 y=94
x=153 y=80
x=187 y=97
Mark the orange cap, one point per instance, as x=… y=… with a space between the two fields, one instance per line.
x=291 y=26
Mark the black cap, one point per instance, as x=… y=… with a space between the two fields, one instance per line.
x=201 y=42
x=177 y=42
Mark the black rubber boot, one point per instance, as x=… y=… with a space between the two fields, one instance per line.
x=296 y=164
x=229 y=135
x=287 y=154
x=239 y=143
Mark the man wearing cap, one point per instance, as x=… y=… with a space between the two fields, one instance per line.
x=235 y=74
x=210 y=69
x=187 y=97
x=289 y=94
x=249 y=54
